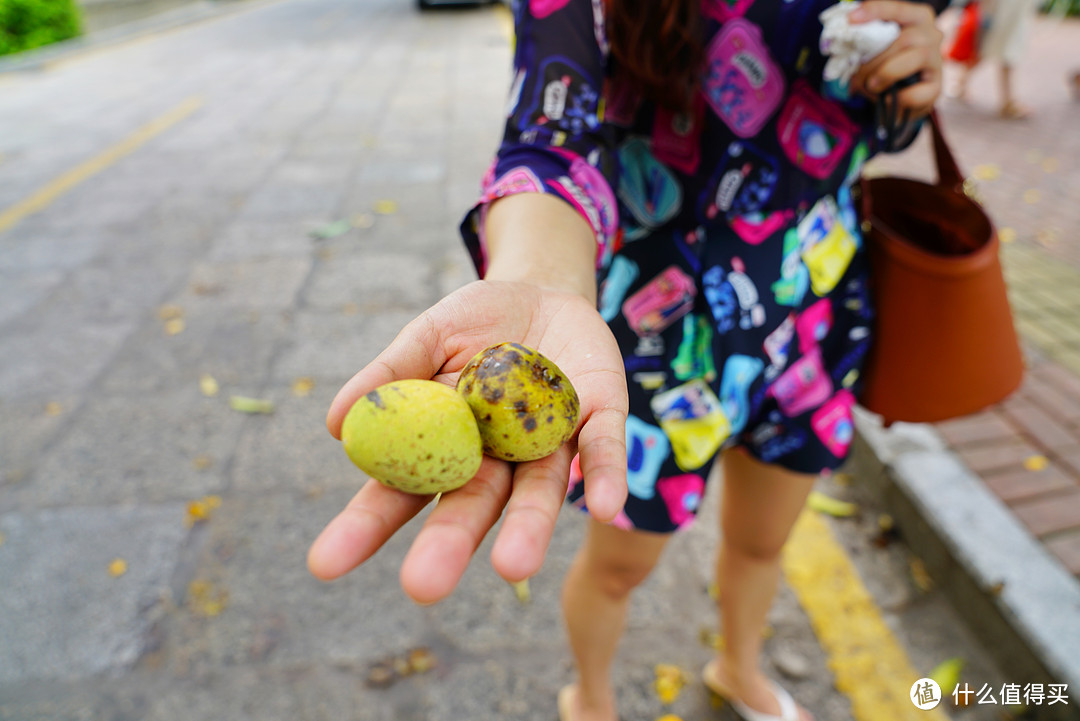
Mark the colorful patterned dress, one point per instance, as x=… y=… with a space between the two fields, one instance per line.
x=730 y=261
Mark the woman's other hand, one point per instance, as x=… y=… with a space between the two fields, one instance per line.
x=915 y=53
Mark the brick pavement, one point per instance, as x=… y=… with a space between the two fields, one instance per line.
x=1027 y=449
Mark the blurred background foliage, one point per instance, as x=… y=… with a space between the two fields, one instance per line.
x=28 y=24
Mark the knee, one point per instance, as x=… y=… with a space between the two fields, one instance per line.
x=756 y=550
x=616 y=577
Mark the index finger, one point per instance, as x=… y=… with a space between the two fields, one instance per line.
x=416 y=352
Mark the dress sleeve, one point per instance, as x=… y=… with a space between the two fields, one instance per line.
x=555 y=139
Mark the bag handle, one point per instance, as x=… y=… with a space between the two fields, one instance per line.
x=948 y=172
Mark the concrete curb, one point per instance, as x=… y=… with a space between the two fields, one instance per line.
x=1008 y=588
x=37 y=59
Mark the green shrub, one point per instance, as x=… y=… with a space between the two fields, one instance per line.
x=1061 y=7
x=26 y=24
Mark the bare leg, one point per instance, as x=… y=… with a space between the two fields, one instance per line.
x=596 y=592
x=760 y=506
x=1009 y=107
x=959 y=91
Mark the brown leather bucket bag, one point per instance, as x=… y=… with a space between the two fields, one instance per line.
x=944 y=343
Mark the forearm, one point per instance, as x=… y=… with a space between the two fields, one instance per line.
x=541 y=240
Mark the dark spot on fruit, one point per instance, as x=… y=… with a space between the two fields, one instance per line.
x=551 y=419
x=491 y=395
x=419 y=435
x=487 y=418
x=375 y=398
x=530 y=424
x=521 y=407
x=428 y=457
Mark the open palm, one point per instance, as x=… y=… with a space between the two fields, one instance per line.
x=437 y=345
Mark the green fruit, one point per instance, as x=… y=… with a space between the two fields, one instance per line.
x=413 y=435
x=524 y=405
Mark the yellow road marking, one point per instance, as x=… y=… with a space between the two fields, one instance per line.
x=868 y=663
x=505 y=19
x=55 y=188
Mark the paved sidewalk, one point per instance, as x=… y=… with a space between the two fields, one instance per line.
x=1025 y=452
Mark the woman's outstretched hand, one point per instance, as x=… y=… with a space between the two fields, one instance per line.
x=567 y=329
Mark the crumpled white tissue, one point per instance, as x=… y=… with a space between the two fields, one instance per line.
x=849 y=46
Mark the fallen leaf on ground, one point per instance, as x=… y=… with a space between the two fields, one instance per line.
x=711 y=639
x=670 y=680
x=385 y=207
x=244 y=404
x=302 y=386
x=1036 y=463
x=201 y=509
x=204 y=599
x=117 y=567
x=669 y=717
x=170 y=312
x=1006 y=235
x=174 y=326
x=380 y=676
x=422 y=660
x=1050 y=165
x=332 y=230
x=987 y=171
x=522 y=591
x=1047 y=236
x=920 y=575
x=201 y=463
x=208 y=385
x=52 y=408
x=822 y=503
x=1032 y=196
x=947 y=674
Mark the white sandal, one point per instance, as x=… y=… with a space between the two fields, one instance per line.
x=789 y=710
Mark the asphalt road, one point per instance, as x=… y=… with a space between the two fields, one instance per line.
x=158 y=200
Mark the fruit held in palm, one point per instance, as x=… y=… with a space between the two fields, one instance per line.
x=414 y=435
x=524 y=405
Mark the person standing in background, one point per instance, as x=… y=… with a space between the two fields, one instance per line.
x=1003 y=37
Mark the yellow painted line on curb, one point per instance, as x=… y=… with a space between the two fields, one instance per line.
x=56 y=188
x=505 y=19
x=868 y=663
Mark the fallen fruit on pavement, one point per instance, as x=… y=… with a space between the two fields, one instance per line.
x=524 y=405
x=414 y=435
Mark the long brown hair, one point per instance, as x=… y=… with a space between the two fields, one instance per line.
x=657 y=45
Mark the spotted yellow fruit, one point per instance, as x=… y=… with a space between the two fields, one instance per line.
x=524 y=405
x=414 y=435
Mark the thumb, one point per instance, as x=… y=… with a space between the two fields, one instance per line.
x=602 y=454
x=416 y=352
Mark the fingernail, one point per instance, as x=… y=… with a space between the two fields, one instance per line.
x=859 y=13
